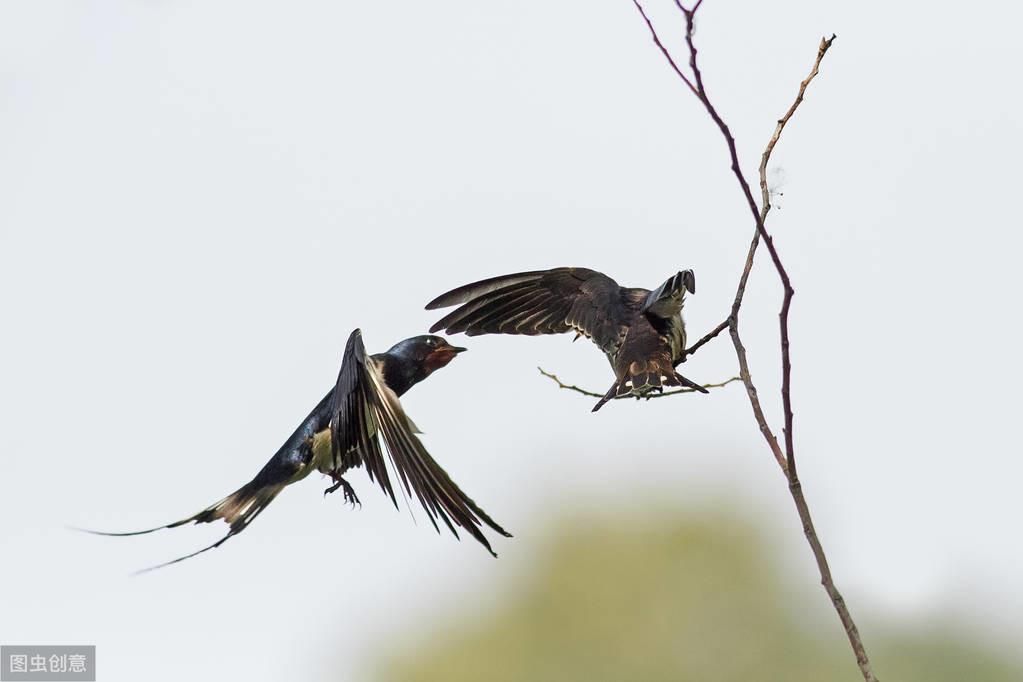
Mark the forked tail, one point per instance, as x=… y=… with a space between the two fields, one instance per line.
x=290 y=463
x=237 y=509
x=645 y=377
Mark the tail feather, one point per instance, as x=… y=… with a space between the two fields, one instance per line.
x=652 y=374
x=645 y=376
x=688 y=383
x=238 y=510
x=612 y=392
x=241 y=507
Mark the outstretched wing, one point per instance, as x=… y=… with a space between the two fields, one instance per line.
x=362 y=407
x=540 y=302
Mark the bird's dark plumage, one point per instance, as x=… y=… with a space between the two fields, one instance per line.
x=341 y=433
x=364 y=404
x=640 y=331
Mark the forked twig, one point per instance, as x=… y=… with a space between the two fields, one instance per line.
x=786 y=460
x=645 y=396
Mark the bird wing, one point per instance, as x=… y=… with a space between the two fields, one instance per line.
x=539 y=302
x=362 y=407
x=667 y=300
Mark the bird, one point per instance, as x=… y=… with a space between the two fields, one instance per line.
x=342 y=432
x=640 y=331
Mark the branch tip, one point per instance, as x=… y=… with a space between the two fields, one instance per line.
x=786 y=460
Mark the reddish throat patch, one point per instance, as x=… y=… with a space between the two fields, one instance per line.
x=439 y=358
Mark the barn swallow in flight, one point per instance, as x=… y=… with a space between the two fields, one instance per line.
x=640 y=331
x=341 y=433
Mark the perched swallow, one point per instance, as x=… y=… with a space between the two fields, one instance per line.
x=640 y=331
x=341 y=433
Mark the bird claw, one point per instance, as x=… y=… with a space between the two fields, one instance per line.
x=351 y=497
x=349 y=492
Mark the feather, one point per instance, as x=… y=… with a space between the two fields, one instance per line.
x=362 y=394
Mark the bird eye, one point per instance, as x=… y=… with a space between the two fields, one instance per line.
x=431 y=342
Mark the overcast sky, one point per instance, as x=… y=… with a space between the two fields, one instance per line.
x=200 y=200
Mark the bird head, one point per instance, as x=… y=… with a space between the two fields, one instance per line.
x=427 y=353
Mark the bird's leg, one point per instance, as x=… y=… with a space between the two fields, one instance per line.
x=349 y=491
x=656 y=389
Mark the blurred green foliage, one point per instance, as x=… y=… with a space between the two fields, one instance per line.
x=677 y=597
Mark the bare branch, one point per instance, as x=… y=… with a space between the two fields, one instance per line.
x=740 y=352
x=765 y=208
x=706 y=337
x=646 y=396
x=795 y=486
x=664 y=50
x=765 y=194
x=786 y=461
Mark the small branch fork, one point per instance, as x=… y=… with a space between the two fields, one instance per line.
x=788 y=463
x=645 y=396
x=786 y=458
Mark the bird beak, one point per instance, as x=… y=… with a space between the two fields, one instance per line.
x=442 y=355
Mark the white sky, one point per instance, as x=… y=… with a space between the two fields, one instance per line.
x=200 y=200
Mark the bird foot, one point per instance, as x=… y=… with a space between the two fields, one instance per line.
x=349 y=491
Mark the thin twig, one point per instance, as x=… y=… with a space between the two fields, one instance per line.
x=706 y=337
x=664 y=50
x=765 y=208
x=740 y=352
x=795 y=486
x=788 y=461
x=645 y=396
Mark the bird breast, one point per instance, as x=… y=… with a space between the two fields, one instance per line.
x=323 y=460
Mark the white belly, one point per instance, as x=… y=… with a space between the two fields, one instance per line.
x=323 y=460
